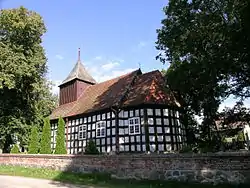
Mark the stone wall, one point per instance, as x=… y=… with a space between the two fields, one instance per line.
x=205 y=168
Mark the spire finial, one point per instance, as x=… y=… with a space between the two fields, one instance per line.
x=79 y=54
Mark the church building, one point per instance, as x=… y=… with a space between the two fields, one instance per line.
x=134 y=112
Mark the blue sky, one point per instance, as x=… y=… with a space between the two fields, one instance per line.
x=114 y=36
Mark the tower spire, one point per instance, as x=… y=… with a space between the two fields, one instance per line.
x=79 y=54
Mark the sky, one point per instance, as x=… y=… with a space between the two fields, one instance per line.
x=115 y=37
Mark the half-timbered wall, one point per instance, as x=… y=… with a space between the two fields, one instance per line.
x=140 y=130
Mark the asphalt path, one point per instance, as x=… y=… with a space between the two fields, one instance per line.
x=22 y=182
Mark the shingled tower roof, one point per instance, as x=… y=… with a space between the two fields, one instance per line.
x=79 y=72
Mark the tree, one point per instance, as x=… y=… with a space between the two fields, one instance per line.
x=33 y=141
x=46 y=138
x=91 y=148
x=25 y=96
x=15 y=149
x=60 y=138
x=206 y=43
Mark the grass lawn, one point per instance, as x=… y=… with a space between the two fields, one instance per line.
x=100 y=180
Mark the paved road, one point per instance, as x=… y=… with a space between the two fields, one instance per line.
x=21 y=182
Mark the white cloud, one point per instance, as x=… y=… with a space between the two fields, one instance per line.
x=112 y=74
x=55 y=89
x=110 y=65
x=142 y=44
x=98 y=58
x=58 y=56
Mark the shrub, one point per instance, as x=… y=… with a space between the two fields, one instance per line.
x=15 y=149
x=46 y=138
x=91 y=148
x=33 y=141
x=60 y=138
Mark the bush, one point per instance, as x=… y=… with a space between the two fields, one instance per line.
x=15 y=149
x=91 y=148
x=46 y=138
x=33 y=141
x=60 y=138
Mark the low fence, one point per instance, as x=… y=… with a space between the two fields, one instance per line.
x=204 y=168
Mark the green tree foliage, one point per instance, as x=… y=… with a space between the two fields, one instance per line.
x=33 y=141
x=46 y=138
x=91 y=148
x=25 y=96
x=206 y=43
x=15 y=149
x=60 y=138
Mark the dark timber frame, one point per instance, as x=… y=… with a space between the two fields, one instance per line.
x=160 y=130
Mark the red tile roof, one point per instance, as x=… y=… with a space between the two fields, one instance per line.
x=147 y=89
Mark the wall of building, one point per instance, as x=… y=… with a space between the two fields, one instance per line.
x=214 y=168
x=160 y=130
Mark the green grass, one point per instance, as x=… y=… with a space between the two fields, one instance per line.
x=98 y=179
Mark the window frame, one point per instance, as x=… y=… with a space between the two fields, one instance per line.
x=84 y=130
x=134 y=125
x=102 y=127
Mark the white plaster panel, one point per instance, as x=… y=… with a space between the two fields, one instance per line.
x=166 y=121
x=108 y=123
x=160 y=147
x=158 y=121
x=143 y=147
x=103 y=141
x=126 y=148
x=84 y=143
x=131 y=113
x=142 y=130
x=98 y=117
x=120 y=122
x=81 y=120
x=159 y=129
x=125 y=130
x=137 y=113
x=165 y=112
x=126 y=139
x=97 y=142
x=142 y=112
x=113 y=123
x=103 y=149
x=151 y=129
x=85 y=120
x=88 y=134
x=121 y=114
x=121 y=148
x=138 y=138
x=108 y=141
x=152 y=147
x=108 y=149
x=113 y=140
x=150 y=112
x=168 y=147
x=77 y=121
x=157 y=112
x=80 y=144
x=93 y=126
x=112 y=114
x=94 y=118
x=113 y=131
x=168 y=138
x=132 y=148
x=150 y=121
x=138 y=147
x=108 y=115
x=143 y=138
x=160 y=138
x=167 y=129
x=132 y=139
x=125 y=114
x=113 y=148
x=108 y=132
x=103 y=117
x=121 y=131
x=152 y=138
x=121 y=140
